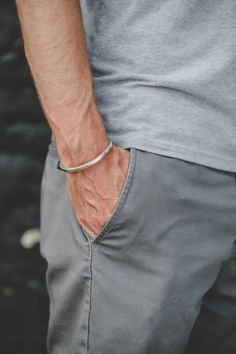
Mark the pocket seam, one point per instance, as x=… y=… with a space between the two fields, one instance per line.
x=124 y=194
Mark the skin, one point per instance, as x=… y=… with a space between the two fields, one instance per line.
x=55 y=48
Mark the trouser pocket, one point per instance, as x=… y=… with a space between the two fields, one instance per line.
x=120 y=203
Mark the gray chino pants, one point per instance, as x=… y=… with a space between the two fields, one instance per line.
x=161 y=276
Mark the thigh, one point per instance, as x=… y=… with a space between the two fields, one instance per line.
x=215 y=329
x=138 y=287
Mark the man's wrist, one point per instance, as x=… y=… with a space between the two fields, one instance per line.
x=85 y=152
x=87 y=164
x=82 y=145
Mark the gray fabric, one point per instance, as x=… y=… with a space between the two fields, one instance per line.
x=139 y=287
x=215 y=329
x=165 y=75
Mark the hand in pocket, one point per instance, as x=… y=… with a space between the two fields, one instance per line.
x=95 y=191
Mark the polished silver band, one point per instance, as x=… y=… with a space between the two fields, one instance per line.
x=87 y=164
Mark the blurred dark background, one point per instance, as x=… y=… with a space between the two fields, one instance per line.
x=24 y=139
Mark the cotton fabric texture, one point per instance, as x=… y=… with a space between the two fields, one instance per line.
x=159 y=278
x=165 y=75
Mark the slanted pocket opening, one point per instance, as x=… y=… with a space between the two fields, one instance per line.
x=52 y=152
x=120 y=202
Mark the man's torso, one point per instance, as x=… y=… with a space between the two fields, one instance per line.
x=165 y=75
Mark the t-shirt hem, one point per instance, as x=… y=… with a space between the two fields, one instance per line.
x=179 y=152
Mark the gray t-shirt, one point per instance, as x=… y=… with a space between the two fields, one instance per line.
x=165 y=75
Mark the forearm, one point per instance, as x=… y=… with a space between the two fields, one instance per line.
x=55 y=48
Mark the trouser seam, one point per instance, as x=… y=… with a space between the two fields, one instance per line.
x=90 y=295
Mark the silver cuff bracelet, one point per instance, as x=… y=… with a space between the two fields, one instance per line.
x=87 y=164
